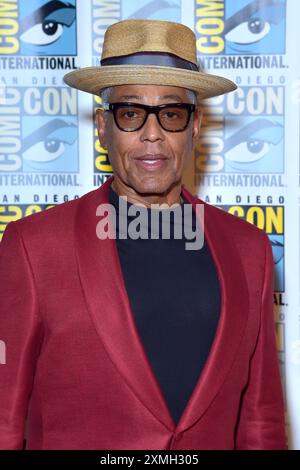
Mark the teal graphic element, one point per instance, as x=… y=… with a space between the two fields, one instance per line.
x=51 y=146
x=277 y=242
x=255 y=27
x=48 y=27
x=257 y=147
x=167 y=10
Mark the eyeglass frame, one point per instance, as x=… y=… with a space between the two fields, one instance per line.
x=191 y=107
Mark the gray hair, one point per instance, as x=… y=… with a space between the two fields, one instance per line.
x=106 y=92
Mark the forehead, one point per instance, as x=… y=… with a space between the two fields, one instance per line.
x=149 y=92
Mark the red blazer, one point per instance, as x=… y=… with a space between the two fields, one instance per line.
x=76 y=367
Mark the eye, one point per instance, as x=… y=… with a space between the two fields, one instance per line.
x=248 y=151
x=249 y=32
x=49 y=142
x=45 y=151
x=170 y=115
x=130 y=114
x=43 y=34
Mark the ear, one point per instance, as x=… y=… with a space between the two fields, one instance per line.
x=100 y=122
x=197 y=124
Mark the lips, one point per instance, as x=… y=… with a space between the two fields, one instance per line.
x=152 y=157
x=151 y=161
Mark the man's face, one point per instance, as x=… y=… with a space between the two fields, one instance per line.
x=133 y=177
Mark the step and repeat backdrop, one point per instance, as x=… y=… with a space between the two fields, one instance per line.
x=247 y=160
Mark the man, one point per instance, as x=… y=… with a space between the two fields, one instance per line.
x=128 y=343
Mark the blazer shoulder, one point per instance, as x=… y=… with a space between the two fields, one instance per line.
x=56 y=220
x=236 y=227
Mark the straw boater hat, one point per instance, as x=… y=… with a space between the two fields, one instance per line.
x=149 y=52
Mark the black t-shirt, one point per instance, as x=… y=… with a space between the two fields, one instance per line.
x=175 y=298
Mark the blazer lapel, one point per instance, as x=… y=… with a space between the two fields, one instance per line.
x=108 y=304
x=233 y=315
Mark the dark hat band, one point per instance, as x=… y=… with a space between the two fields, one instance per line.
x=150 y=58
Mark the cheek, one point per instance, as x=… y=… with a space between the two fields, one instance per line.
x=120 y=147
x=182 y=148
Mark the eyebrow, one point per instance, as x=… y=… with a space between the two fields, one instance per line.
x=170 y=97
x=141 y=98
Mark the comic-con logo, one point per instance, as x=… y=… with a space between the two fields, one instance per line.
x=271 y=220
x=38 y=129
x=243 y=132
x=38 y=27
x=11 y=213
x=240 y=26
x=101 y=160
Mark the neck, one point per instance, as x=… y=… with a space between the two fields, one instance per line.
x=169 y=198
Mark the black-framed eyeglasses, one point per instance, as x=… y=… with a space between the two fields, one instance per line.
x=130 y=117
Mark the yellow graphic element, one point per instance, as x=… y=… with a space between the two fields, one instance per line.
x=269 y=218
x=97 y=99
x=12 y=213
x=101 y=160
x=33 y=209
x=210 y=25
x=9 y=27
x=15 y=213
x=102 y=164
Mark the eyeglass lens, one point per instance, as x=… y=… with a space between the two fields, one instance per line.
x=171 y=118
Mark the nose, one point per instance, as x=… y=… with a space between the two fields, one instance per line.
x=152 y=130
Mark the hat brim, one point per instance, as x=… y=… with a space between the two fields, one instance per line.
x=93 y=79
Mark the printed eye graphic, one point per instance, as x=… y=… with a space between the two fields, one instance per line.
x=43 y=33
x=249 y=151
x=249 y=32
x=254 y=22
x=277 y=248
x=46 y=24
x=253 y=142
x=45 y=151
x=49 y=141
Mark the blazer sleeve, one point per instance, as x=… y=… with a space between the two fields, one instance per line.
x=20 y=335
x=262 y=422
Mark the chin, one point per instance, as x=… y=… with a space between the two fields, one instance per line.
x=151 y=187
